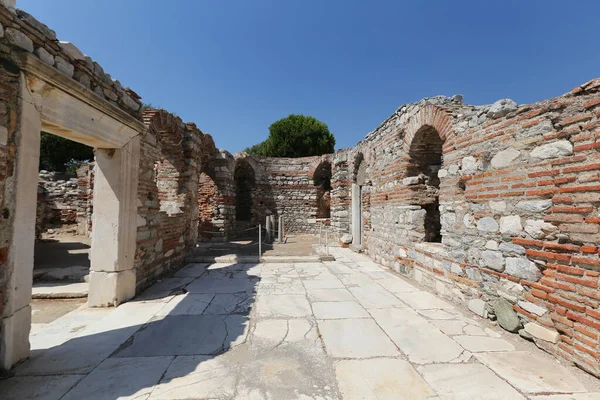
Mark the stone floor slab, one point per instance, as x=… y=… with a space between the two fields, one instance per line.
x=531 y=373
x=37 y=387
x=380 y=379
x=467 y=382
x=187 y=335
x=164 y=288
x=355 y=338
x=282 y=305
x=423 y=300
x=329 y=295
x=323 y=284
x=191 y=270
x=197 y=377
x=186 y=304
x=121 y=378
x=338 y=310
x=396 y=285
x=230 y=303
x=205 y=285
x=478 y=344
x=374 y=296
x=416 y=337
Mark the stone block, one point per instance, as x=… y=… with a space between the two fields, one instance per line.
x=18 y=39
x=506 y=316
x=522 y=268
x=504 y=158
x=511 y=225
x=501 y=107
x=14 y=341
x=541 y=332
x=71 y=50
x=493 y=260
x=532 y=308
x=43 y=55
x=487 y=224
x=111 y=288
x=478 y=307
x=63 y=66
x=534 y=206
x=553 y=150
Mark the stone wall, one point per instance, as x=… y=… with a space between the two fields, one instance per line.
x=518 y=217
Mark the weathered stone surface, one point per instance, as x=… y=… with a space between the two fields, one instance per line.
x=511 y=249
x=487 y=224
x=504 y=158
x=63 y=66
x=28 y=18
x=501 y=107
x=532 y=308
x=493 y=260
x=507 y=318
x=43 y=55
x=478 y=344
x=553 y=150
x=522 y=268
x=541 y=332
x=339 y=310
x=531 y=372
x=18 y=39
x=478 y=306
x=469 y=165
x=539 y=229
x=71 y=50
x=498 y=206
x=346 y=239
x=355 y=338
x=411 y=180
x=511 y=225
x=382 y=378
x=534 y=206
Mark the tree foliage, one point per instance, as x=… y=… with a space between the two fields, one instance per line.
x=62 y=155
x=296 y=136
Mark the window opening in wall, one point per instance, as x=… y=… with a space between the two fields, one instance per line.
x=322 y=180
x=244 y=182
x=425 y=161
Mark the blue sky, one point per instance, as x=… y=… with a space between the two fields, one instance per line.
x=234 y=67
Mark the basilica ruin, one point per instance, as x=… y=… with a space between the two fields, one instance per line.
x=486 y=206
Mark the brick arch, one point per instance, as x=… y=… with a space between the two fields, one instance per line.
x=431 y=116
x=256 y=166
x=327 y=158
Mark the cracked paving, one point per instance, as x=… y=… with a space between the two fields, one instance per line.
x=345 y=329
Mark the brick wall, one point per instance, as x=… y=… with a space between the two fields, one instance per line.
x=518 y=194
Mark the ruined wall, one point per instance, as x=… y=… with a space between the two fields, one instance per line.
x=282 y=186
x=172 y=154
x=518 y=201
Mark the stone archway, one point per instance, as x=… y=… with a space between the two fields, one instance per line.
x=245 y=179
x=322 y=181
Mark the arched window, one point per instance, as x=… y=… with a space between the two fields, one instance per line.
x=425 y=160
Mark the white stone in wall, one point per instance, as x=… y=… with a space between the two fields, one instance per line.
x=469 y=165
x=497 y=206
x=532 y=308
x=478 y=307
x=64 y=67
x=511 y=225
x=539 y=229
x=541 y=332
x=18 y=39
x=491 y=245
x=553 y=150
x=511 y=249
x=504 y=158
x=442 y=173
x=71 y=50
x=43 y=55
x=534 y=206
x=492 y=259
x=411 y=180
x=453 y=169
x=487 y=224
x=469 y=221
x=522 y=268
x=501 y=107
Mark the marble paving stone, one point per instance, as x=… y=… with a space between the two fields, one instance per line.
x=374 y=296
x=574 y=396
x=396 y=285
x=340 y=309
x=283 y=305
x=450 y=327
x=164 y=288
x=37 y=387
x=467 y=382
x=231 y=303
x=197 y=377
x=121 y=378
x=275 y=332
x=423 y=300
x=380 y=379
x=83 y=352
x=329 y=295
x=203 y=285
x=415 y=336
x=478 y=344
x=323 y=284
x=338 y=268
x=355 y=338
x=281 y=286
x=436 y=314
x=186 y=304
x=187 y=335
x=191 y=270
x=531 y=373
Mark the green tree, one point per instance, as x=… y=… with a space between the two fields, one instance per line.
x=296 y=136
x=62 y=155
